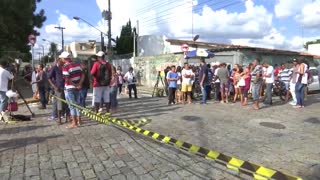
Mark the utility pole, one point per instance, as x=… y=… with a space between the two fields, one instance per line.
x=109 y=30
x=137 y=39
x=61 y=28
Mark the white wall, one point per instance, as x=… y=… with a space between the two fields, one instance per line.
x=314 y=49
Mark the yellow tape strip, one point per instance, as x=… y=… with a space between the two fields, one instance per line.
x=261 y=173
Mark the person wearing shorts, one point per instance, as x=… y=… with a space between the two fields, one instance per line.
x=256 y=80
x=186 y=86
x=223 y=75
x=100 y=92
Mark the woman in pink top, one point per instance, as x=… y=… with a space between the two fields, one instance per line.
x=114 y=90
x=246 y=87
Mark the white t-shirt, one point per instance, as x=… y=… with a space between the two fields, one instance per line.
x=5 y=76
x=129 y=77
x=215 y=73
x=264 y=72
x=187 y=80
x=270 y=70
x=179 y=75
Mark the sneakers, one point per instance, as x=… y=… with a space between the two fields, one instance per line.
x=293 y=103
x=52 y=118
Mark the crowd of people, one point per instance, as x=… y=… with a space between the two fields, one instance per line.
x=70 y=81
x=237 y=83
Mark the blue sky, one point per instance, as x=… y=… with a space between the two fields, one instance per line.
x=263 y=23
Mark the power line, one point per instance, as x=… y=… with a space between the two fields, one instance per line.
x=163 y=21
x=153 y=6
x=187 y=8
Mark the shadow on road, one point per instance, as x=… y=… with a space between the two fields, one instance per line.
x=17 y=130
x=22 y=142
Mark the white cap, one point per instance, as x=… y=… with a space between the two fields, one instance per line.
x=100 y=54
x=64 y=54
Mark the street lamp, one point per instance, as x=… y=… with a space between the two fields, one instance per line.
x=101 y=33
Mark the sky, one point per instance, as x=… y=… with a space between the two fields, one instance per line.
x=279 y=24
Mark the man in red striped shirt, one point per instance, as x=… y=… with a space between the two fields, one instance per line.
x=73 y=77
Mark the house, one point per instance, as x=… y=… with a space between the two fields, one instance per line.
x=236 y=54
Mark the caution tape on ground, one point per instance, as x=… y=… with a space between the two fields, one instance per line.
x=256 y=171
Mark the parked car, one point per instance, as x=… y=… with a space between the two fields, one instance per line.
x=314 y=86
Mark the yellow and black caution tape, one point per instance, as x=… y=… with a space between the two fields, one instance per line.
x=258 y=172
x=29 y=101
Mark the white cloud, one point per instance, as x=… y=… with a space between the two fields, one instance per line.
x=310 y=15
x=286 y=8
x=253 y=26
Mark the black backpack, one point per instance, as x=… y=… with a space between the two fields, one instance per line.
x=104 y=76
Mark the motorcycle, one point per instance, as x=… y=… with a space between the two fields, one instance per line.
x=279 y=89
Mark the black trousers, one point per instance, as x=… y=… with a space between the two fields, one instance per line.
x=134 y=87
x=42 y=95
x=172 y=95
x=120 y=88
x=217 y=92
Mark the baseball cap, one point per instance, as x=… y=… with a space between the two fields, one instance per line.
x=64 y=54
x=294 y=60
x=100 y=54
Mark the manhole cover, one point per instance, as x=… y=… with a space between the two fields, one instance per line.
x=191 y=118
x=272 y=125
x=313 y=120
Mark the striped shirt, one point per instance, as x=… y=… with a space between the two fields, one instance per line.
x=284 y=75
x=256 y=70
x=71 y=72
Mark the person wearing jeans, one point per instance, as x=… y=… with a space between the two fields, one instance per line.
x=41 y=81
x=269 y=79
x=130 y=78
x=172 y=78
x=73 y=77
x=203 y=78
x=302 y=81
x=56 y=81
x=5 y=76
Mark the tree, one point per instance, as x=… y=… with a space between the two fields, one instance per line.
x=311 y=42
x=53 y=51
x=17 y=21
x=124 y=43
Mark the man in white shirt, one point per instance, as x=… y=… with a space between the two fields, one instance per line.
x=5 y=76
x=269 y=78
x=131 y=79
x=187 y=81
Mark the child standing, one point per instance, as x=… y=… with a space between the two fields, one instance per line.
x=172 y=78
x=245 y=89
x=114 y=90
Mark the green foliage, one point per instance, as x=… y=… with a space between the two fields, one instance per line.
x=18 y=18
x=311 y=42
x=53 y=52
x=124 y=43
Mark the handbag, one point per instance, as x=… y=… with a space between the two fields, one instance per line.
x=242 y=82
x=12 y=105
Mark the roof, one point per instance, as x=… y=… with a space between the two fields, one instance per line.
x=216 y=47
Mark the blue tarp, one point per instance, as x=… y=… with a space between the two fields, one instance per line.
x=199 y=53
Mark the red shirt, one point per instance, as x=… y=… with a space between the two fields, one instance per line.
x=95 y=70
x=71 y=72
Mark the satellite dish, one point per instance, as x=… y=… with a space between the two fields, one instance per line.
x=196 y=37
